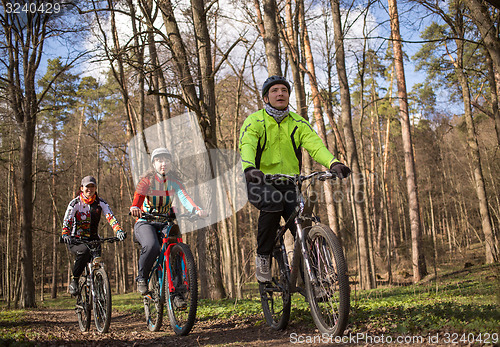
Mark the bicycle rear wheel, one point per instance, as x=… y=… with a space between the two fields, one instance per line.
x=154 y=299
x=329 y=296
x=102 y=301
x=83 y=305
x=275 y=296
x=183 y=297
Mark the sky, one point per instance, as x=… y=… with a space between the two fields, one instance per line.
x=234 y=23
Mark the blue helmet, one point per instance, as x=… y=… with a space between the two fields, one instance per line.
x=271 y=81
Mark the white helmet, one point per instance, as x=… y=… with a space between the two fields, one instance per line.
x=160 y=151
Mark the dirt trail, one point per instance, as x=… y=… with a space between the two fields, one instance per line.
x=60 y=328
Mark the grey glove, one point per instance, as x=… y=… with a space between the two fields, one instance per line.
x=66 y=239
x=121 y=235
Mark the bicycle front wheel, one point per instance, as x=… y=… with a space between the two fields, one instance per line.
x=183 y=295
x=83 y=305
x=328 y=296
x=102 y=301
x=275 y=296
x=154 y=299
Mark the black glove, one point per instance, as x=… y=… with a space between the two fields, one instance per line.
x=66 y=239
x=254 y=175
x=341 y=170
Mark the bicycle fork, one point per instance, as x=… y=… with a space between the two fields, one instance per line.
x=95 y=264
x=302 y=244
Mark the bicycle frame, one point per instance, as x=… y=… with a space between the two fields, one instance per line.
x=96 y=262
x=324 y=268
x=300 y=246
x=165 y=272
x=164 y=258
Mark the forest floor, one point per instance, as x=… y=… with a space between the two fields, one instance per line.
x=60 y=327
x=460 y=309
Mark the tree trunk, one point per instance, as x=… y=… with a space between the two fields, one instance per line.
x=491 y=246
x=55 y=232
x=26 y=196
x=292 y=47
x=489 y=32
x=434 y=236
x=11 y=182
x=180 y=56
x=494 y=97
x=271 y=38
x=160 y=103
x=357 y=180
x=208 y=112
x=290 y=38
x=24 y=45
x=418 y=259
x=318 y=112
x=119 y=76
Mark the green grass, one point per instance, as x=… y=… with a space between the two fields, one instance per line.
x=10 y=334
x=464 y=301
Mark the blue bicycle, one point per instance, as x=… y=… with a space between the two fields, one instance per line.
x=175 y=270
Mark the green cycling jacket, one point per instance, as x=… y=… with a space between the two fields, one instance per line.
x=276 y=148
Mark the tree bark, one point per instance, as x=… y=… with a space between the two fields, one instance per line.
x=208 y=123
x=418 y=259
x=489 y=32
x=318 y=112
x=160 y=100
x=180 y=56
x=24 y=47
x=490 y=244
x=495 y=99
x=55 y=232
x=271 y=38
x=357 y=180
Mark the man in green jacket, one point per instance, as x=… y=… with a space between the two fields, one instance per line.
x=270 y=143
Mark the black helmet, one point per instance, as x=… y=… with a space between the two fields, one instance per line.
x=160 y=151
x=271 y=81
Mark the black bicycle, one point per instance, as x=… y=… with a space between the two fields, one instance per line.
x=318 y=257
x=173 y=278
x=94 y=292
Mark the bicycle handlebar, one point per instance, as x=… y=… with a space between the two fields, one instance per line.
x=167 y=217
x=76 y=241
x=297 y=179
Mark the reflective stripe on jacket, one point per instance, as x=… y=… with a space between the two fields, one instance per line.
x=276 y=148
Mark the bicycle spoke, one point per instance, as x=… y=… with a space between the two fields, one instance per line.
x=102 y=301
x=275 y=296
x=153 y=304
x=328 y=295
x=183 y=296
x=83 y=305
